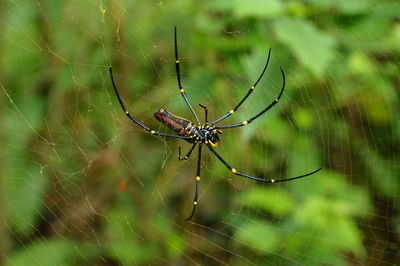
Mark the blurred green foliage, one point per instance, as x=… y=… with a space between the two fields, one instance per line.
x=81 y=185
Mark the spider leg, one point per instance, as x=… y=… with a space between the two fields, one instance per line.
x=252 y=88
x=153 y=132
x=184 y=158
x=205 y=112
x=234 y=171
x=244 y=123
x=178 y=75
x=196 y=192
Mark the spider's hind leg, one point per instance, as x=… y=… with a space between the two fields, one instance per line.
x=196 y=192
x=271 y=180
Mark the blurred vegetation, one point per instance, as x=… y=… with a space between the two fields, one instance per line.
x=81 y=185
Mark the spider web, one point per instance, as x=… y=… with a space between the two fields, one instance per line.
x=82 y=185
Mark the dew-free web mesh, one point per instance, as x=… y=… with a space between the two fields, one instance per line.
x=82 y=185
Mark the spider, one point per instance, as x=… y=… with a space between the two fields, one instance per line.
x=206 y=133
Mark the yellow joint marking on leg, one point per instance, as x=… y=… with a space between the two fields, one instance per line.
x=197 y=138
x=213 y=144
x=152 y=131
x=233 y=170
x=276 y=100
x=194 y=202
x=197 y=178
x=182 y=90
x=232 y=111
x=206 y=142
x=126 y=112
x=272 y=180
x=245 y=123
x=177 y=61
x=252 y=87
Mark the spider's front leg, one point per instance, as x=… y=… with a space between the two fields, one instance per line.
x=245 y=123
x=205 y=113
x=184 y=158
x=153 y=132
x=250 y=91
x=234 y=171
x=178 y=76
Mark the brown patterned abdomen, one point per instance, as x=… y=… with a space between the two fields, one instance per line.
x=178 y=124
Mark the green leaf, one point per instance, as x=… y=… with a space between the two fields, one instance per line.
x=222 y=5
x=304 y=157
x=336 y=228
x=314 y=48
x=344 y=6
x=359 y=63
x=26 y=184
x=278 y=131
x=375 y=106
x=123 y=243
x=259 y=9
x=175 y=245
x=25 y=195
x=175 y=241
x=45 y=253
x=353 y=6
x=395 y=38
x=273 y=200
x=304 y=118
x=351 y=200
x=259 y=236
x=346 y=237
x=383 y=173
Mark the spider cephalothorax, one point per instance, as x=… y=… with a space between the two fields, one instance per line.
x=205 y=133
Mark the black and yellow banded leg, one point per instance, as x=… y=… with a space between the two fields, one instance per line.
x=184 y=158
x=178 y=76
x=205 y=113
x=197 y=179
x=250 y=91
x=272 y=180
x=246 y=122
x=153 y=132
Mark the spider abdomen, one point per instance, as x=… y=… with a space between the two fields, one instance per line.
x=179 y=125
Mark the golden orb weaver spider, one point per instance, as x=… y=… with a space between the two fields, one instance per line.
x=204 y=133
